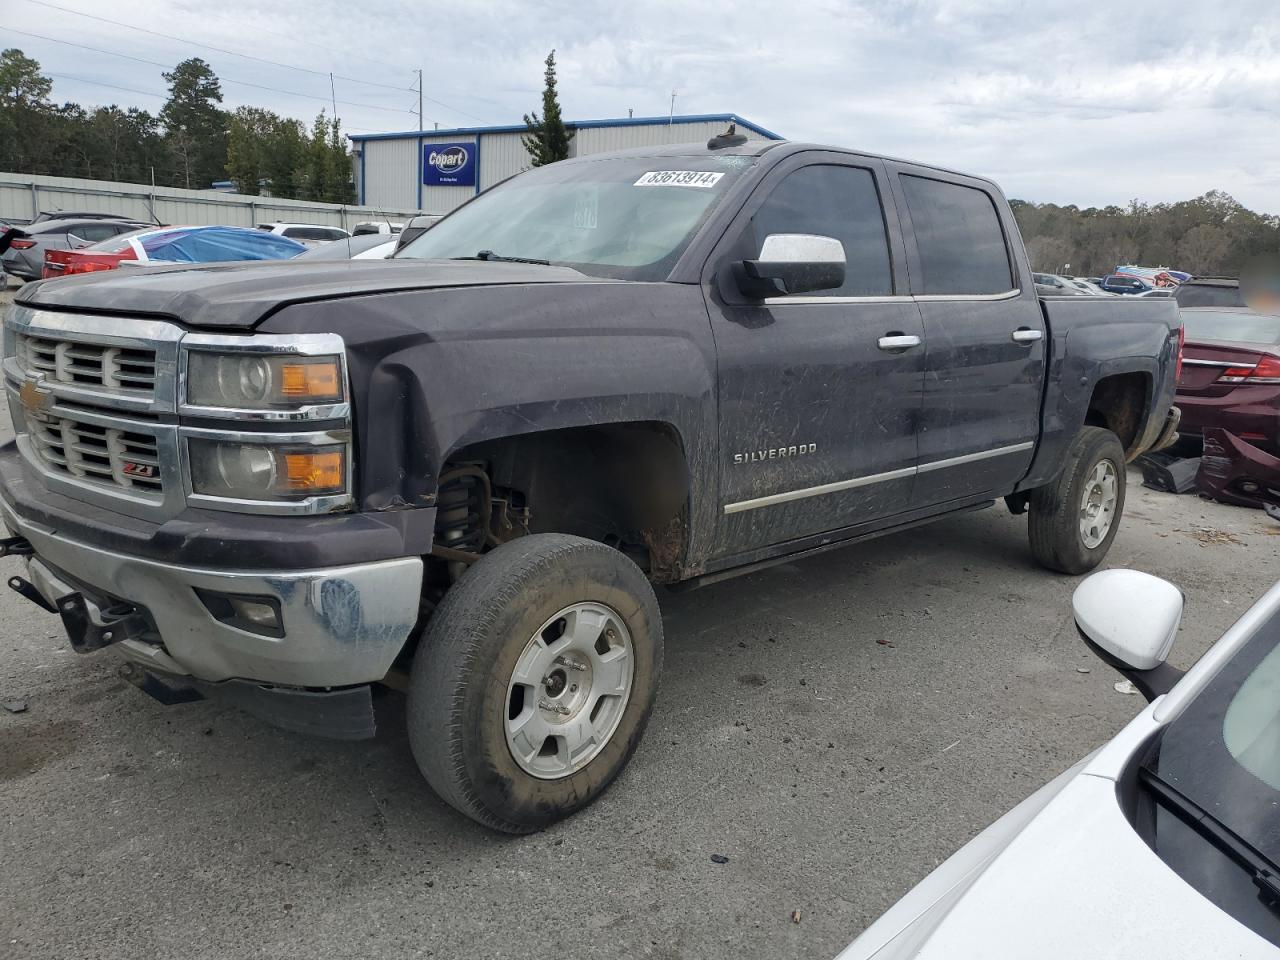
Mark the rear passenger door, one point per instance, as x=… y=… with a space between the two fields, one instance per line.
x=817 y=405
x=984 y=337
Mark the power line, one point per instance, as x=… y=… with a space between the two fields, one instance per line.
x=166 y=66
x=206 y=46
x=145 y=93
x=245 y=56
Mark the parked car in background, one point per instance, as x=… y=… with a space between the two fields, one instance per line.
x=1088 y=286
x=306 y=233
x=375 y=226
x=1118 y=283
x=172 y=245
x=416 y=227
x=1210 y=292
x=1167 y=292
x=22 y=249
x=1163 y=843
x=1052 y=285
x=1231 y=375
x=348 y=249
x=46 y=215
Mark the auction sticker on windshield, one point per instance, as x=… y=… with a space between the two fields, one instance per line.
x=678 y=178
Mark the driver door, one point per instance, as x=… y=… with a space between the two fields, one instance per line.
x=818 y=393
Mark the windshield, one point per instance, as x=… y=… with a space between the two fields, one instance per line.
x=628 y=218
x=1223 y=753
x=1231 y=326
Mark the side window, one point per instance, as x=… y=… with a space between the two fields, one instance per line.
x=833 y=201
x=958 y=235
x=93 y=232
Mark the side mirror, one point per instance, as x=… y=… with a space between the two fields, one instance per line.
x=792 y=263
x=1129 y=619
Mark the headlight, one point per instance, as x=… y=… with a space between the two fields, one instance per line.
x=257 y=381
x=266 y=471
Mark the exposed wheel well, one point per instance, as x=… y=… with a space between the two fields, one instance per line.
x=625 y=484
x=1119 y=403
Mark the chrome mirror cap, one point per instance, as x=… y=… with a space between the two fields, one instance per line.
x=1130 y=615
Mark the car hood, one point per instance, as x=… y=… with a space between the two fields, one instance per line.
x=241 y=295
x=1062 y=875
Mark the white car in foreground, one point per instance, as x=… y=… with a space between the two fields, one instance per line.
x=1161 y=844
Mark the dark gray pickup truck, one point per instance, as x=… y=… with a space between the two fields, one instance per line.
x=463 y=469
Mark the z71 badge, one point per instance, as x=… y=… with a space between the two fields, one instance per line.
x=776 y=453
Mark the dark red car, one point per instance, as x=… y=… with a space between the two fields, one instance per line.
x=1231 y=374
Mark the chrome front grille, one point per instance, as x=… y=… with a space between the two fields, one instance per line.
x=93 y=453
x=87 y=364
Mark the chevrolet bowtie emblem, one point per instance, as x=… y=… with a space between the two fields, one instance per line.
x=35 y=396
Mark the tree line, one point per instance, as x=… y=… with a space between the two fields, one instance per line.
x=191 y=142
x=1212 y=235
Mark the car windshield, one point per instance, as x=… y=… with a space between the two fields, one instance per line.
x=1231 y=326
x=627 y=218
x=1223 y=753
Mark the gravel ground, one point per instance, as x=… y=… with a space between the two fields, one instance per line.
x=834 y=727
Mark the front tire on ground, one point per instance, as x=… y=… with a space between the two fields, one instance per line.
x=535 y=679
x=1075 y=517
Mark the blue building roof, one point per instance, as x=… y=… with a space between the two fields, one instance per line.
x=574 y=125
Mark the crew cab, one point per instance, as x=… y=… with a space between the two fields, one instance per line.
x=462 y=470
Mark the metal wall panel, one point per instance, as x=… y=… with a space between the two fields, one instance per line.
x=391 y=174
x=502 y=155
x=23 y=196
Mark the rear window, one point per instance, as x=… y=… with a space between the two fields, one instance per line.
x=1209 y=295
x=1241 y=326
x=312 y=233
x=958 y=235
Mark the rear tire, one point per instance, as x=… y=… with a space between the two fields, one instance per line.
x=535 y=679
x=1075 y=517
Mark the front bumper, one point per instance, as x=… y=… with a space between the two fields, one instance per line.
x=340 y=625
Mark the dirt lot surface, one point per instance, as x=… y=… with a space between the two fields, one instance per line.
x=834 y=727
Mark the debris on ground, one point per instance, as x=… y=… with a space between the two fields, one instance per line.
x=1169 y=473
x=752 y=680
x=795 y=916
x=1082 y=669
x=1125 y=686
x=15 y=706
x=885 y=643
x=719 y=858
x=1209 y=535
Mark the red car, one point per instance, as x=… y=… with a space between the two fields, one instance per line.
x=1231 y=375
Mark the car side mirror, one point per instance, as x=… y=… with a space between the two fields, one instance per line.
x=1129 y=619
x=791 y=263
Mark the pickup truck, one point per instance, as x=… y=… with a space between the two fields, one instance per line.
x=463 y=470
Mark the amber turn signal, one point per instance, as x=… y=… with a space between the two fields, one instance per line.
x=314 y=380
x=313 y=472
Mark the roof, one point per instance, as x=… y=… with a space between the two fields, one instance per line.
x=576 y=125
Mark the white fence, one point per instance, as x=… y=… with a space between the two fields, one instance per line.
x=22 y=196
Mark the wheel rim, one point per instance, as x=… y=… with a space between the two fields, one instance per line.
x=569 y=690
x=1098 y=503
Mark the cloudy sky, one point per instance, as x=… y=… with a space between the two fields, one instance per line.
x=1071 y=101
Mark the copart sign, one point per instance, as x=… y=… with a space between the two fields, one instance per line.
x=449 y=164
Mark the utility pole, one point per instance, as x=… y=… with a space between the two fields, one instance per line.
x=419 y=98
x=671 y=119
x=333 y=97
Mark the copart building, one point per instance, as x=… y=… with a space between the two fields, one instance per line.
x=437 y=170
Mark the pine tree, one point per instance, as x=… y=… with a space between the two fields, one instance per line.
x=548 y=139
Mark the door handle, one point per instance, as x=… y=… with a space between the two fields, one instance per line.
x=898 y=341
x=1026 y=335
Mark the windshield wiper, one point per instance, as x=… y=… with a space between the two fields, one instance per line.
x=1266 y=874
x=490 y=255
